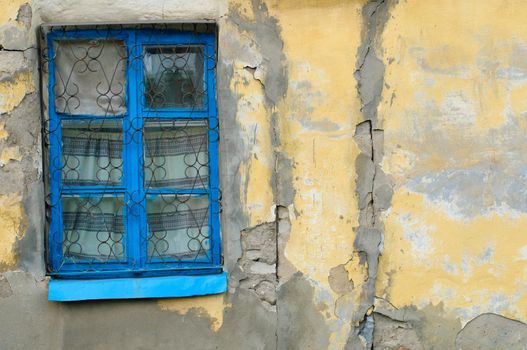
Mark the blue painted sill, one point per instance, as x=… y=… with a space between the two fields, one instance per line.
x=135 y=288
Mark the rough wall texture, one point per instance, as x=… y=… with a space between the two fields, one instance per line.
x=453 y=114
x=373 y=177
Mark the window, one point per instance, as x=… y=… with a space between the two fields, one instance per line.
x=132 y=154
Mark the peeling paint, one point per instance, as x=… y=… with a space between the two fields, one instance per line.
x=10 y=154
x=373 y=178
x=10 y=10
x=12 y=227
x=12 y=92
x=211 y=306
x=3 y=132
x=373 y=187
x=452 y=111
x=457 y=261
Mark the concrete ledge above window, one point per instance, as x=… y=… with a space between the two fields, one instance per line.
x=137 y=288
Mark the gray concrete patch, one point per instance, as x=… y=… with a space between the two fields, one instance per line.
x=5 y=287
x=282 y=179
x=373 y=188
x=370 y=68
x=28 y=320
x=300 y=325
x=230 y=144
x=31 y=248
x=266 y=31
x=142 y=325
x=339 y=280
x=437 y=329
x=492 y=332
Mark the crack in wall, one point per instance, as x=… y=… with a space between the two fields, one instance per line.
x=373 y=188
x=17 y=50
x=259 y=267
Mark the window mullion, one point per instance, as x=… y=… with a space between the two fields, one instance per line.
x=133 y=146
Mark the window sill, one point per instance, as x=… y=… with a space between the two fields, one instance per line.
x=136 y=288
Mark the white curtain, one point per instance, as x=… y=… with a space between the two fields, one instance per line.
x=175 y=156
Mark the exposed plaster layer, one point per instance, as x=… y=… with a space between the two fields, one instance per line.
x=16 y=24
x=271 y=71
x=409 y=327
x=374 y=189
x=370 y=68
x=28 y=320
x=263 y=269
x=391 y=334
x=10 y=10
x=251 y=52
x=258 y=263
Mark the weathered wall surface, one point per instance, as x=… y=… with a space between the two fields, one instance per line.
x=372 y=167
x=453 y=113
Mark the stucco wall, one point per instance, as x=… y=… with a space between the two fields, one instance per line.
x=371 y=155
x=453 y=112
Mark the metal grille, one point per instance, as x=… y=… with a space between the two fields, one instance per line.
x=131 y=141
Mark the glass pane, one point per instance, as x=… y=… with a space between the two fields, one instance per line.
x=92 y=153
x=178 y=227
x=174 y=76
x=176 y=154
x=90 y=77
x=93 y=228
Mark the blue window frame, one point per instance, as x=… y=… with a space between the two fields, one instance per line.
x=132 y=134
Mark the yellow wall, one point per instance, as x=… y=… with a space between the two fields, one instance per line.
x=454 y=123
x=317 y=122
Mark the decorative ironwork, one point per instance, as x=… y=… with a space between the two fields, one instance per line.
x=130 y=148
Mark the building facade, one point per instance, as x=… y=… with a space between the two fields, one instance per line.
x=372 y=168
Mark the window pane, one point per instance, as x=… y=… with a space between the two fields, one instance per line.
x=174 y=76
x=93 y=228
x=90 y=77
x=176 y=154
x=178 y=227
x=92 y=153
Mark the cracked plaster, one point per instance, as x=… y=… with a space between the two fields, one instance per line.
x=265 y=73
